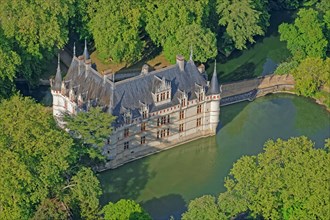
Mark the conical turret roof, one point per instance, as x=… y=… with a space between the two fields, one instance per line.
x=214 y=87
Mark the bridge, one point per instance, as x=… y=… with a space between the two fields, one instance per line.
x=248 y=90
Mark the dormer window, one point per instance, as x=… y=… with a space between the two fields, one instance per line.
x=144 y=110
x=200 y=92
x=127 y=117
x=161 y=91
x=183 y=98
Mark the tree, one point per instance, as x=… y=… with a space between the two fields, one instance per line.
x=287 y=181
x=165 y=18
x=84 y=192
x=92 y=127
x=116 y=27
x=286 y=67
x=310 y=75
x=243 y=20
x=305 y=37
x=204 y=207
x=34 y=157
x=9 y=59
x=124 y=209
x=36 y=25
x=201 y=40
x=40 y=176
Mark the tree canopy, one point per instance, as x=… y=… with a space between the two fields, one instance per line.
x=305 y=37
x=92 y=127
x=310 y=75
x=116 y=28
x=124 y=209
x=202 y=42
x=289 y=180
x=37 y=162
x=243 y=19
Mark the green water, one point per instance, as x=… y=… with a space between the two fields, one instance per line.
x=164 y=183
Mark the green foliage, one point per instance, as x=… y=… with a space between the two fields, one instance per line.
x=286 y=67
x=305 y=37
x=92 y=127
x=116 y=27
x=51 y=209
x=36 y=24
x=243 y=20
x=124 y=209
x=85 y=190
x=204 y=207
x=165 y=18
x=9 y=59
x=287 y=181
x=310 y=75
x=202 y=41
x=35 y=158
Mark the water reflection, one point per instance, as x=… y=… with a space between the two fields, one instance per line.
x=164 y=183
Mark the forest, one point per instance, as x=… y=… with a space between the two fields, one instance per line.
x=46 y=173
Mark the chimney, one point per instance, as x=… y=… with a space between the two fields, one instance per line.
x=145 y=69
x=180 y=62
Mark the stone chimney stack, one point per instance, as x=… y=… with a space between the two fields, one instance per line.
x=145 y=69
x=180 y=62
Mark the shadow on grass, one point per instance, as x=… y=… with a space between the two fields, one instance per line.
x=245 y=71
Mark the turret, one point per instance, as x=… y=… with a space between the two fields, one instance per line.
x=214 y=87
x=215 y=101
x=58 y=77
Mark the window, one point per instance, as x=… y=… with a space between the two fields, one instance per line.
x=144 y=114
x=126 y=132
x=167 y=95
x=200 y=97
x=163 y=120
x=181 y=128
x=199 y=122
x=181 y=116
x=143 y=139
x=163 y=133
x=127 y=119
x=199 y=109
x=143 y=126
x=157 y=97
x=183 y=102
x=126 y=145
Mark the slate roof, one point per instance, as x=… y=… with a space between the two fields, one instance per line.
x=128 y=94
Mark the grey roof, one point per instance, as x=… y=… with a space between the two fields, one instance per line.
x=128 y=94
x=214 y=87
x=58 y=77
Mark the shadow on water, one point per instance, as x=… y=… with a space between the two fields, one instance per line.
x=230 y=112
x=127 y=181
x=165 y=207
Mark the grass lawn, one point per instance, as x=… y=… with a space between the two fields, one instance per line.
x=250 y=63
x=155 y=62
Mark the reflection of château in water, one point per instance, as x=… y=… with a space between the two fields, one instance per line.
x=155 y=110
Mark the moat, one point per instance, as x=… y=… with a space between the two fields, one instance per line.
x=164 y=183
